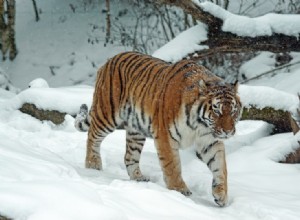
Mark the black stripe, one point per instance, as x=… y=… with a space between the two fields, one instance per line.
x=187 y=112
x=87 y=122
x=172 y=136
x=135 y=149
x=138 y=139
x=132 y=133
x=211 y=160
x=149 y=125
x=176 y=129
x=199 y=155
x=103 y=126
x=129 y=111
x=80 y=126
x=209 y=147
x=111 y=101
x=188 y=74
x=139 y=126
x=131 y=160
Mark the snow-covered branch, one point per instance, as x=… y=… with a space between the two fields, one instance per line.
x=227 y=32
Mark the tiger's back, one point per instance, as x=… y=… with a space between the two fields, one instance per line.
x=176 y=104
x=144 y=91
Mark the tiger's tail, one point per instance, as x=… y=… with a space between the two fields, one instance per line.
x=82 y=120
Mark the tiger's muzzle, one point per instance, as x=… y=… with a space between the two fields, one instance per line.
x=224 y=134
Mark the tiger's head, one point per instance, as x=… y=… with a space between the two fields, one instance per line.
x=220 y=108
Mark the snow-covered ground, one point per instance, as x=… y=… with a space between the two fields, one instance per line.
x=42 y=174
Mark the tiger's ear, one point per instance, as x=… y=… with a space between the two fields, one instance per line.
x=202 y=85
x=235 y=85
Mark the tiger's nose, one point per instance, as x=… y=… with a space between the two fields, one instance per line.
x=229 y=132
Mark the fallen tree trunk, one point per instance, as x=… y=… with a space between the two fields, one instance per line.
x=220 y=41
x=44 y=115
x=279 y=118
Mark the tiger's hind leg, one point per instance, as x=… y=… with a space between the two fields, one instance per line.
x=95 y=137
x=214 y=156
x=134 y=146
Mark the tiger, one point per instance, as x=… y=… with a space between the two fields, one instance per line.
x=178 y=105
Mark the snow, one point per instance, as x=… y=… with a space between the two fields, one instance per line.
x=265 y=62
x=64 y=99
x=42 y=174
x=38 y=83
x=42 y=170
x=265 y=25
x=262 y=96
x=183 y=44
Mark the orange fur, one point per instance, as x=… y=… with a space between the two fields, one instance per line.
x=176 y=104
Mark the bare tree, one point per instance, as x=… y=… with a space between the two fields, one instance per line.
x=7 y=28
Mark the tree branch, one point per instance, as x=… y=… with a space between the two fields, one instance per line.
x=37 y=17
x=220 y=41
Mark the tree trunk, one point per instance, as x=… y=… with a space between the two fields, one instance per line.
x=279 y=118
x=2 y=23
x=108 y=24
x=7 y=31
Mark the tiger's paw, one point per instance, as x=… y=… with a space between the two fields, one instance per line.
x=93 y=163
x=178 y=185
x=142 y=179
x=186 y=192
x=220 y=195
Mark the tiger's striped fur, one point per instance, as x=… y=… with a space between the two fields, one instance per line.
x=178 y=105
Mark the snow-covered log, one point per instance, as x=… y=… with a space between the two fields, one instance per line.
x=270 y=105
x=260 y=103
x=294 y=157
x=54 y=116
x=227 y=32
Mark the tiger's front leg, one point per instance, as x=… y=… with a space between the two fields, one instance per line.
x=134 y=146
x=170 y=164
x=214 y=156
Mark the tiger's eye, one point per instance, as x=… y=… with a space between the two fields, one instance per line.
x=216 y=111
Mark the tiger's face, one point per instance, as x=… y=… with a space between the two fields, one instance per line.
x=221 y=109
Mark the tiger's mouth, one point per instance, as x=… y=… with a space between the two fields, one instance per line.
x=223 y=135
